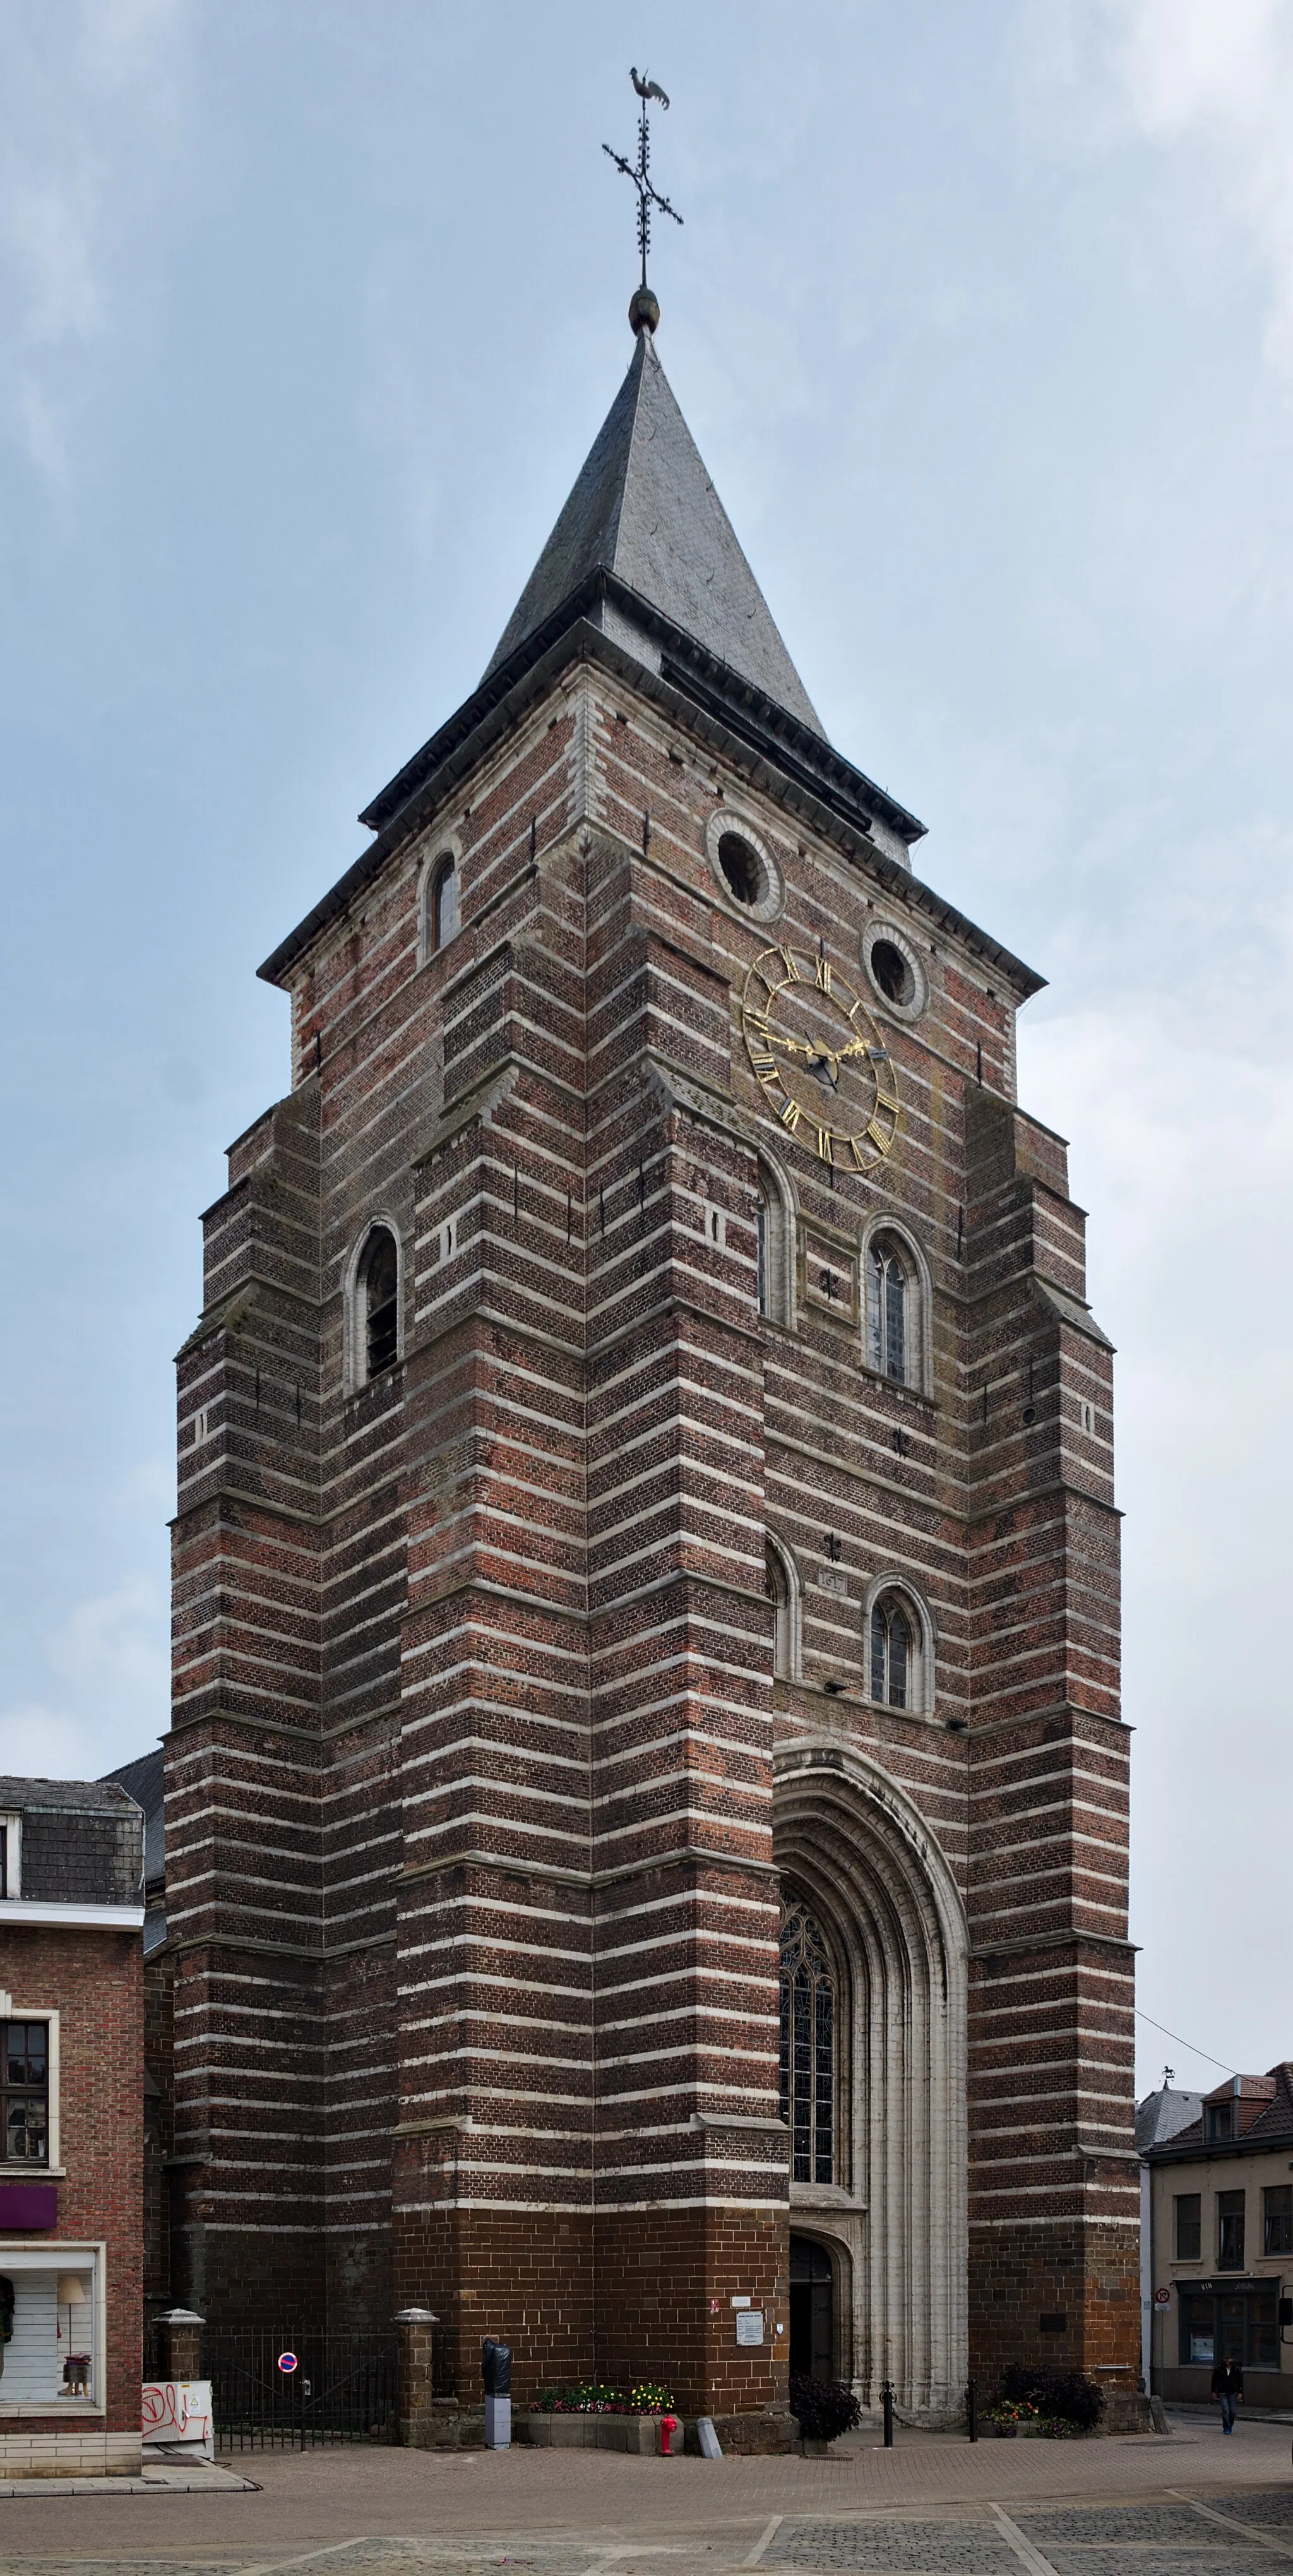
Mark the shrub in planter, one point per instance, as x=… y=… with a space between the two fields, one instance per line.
x=596 y=2397
x=824 y=2408
x=1076 y=2401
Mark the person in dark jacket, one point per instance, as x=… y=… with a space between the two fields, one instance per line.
x=1228 y=2385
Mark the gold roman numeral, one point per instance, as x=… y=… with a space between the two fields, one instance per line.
x=823 y=974
x=863 y=1161
x=764 y=1063
x=824 y=1144
x=787 y=956
x=791 y=1114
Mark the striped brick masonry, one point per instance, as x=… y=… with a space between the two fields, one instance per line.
x=490 y=1761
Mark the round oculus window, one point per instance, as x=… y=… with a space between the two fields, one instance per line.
x=895 y=970
x=744 y=872
x=742 y=869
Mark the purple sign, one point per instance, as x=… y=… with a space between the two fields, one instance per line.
x=28 y=2204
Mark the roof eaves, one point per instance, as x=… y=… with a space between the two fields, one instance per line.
x=499 y=704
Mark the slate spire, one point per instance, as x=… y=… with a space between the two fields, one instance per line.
x=645 y=511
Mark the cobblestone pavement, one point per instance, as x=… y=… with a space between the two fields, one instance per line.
x=1194 y=2506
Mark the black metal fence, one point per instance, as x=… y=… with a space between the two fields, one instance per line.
x=296 y=2389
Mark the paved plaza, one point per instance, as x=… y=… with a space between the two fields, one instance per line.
x=1191 y=2505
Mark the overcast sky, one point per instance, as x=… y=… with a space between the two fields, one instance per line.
x=982 y=317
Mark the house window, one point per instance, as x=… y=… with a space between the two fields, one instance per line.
x=1277 y=2218
x=1219 y=2122
x=891 y=1653
x=1189 y=2226
x=886 y=1313
x=442 y=913
x=807 y=2048
x=380 y=1288
x=1230 y=2231
x=1237 y=2325
x=24 y=2091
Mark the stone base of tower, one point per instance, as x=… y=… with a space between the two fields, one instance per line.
x=622 y=2297
x=1067 y=2295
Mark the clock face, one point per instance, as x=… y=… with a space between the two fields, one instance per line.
x=826 y=1071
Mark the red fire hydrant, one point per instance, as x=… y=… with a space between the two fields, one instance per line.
x=670 y=2437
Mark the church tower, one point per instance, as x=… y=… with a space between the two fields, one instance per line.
x=647 y=1800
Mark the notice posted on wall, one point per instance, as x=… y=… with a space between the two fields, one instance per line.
x=749 y=2325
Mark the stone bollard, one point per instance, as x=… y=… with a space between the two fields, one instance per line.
x=414 y=2330
x=181 y=2341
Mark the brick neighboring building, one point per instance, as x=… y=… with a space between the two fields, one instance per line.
x=647 y=1799
x=71 y=2072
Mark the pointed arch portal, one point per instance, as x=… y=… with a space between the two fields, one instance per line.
x=855 y=1853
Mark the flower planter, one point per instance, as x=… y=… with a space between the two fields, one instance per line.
x=551 y=2430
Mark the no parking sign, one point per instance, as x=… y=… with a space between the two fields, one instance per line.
x=287 y=2361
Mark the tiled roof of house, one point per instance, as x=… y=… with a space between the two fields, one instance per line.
x=1269 y=2101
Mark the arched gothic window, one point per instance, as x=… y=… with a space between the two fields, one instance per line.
x=888 y=1325
x=892 y=1655
x=807 y=2048
x=781 y=1590
x=442 y=910
x=379 y=1286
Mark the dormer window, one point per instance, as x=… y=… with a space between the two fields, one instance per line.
x=1219 y=2124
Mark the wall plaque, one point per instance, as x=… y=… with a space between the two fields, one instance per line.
x=749 y=2325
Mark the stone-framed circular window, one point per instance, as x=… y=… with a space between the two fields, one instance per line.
x=744 y=869
x=894 y=969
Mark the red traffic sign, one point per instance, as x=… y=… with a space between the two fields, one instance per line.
x=1162 y=2298
x=287 y=2361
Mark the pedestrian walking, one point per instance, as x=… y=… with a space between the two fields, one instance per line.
x=1228 y=2385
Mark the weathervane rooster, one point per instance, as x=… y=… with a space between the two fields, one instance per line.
x=644 y=312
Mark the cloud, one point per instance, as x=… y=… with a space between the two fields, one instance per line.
x=67 y=170
x=39 y=1743
x=111 y=1657
x=112 y=1652
x=1214 y=75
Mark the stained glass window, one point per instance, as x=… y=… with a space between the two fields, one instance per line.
x=807 y=2048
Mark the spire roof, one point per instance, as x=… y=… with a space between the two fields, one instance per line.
x=644 y=510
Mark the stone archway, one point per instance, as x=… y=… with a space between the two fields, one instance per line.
x=851 y=1842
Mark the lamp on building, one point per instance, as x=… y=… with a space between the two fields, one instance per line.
x=72 y=2292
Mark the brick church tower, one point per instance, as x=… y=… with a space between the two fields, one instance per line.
x=646 y=1800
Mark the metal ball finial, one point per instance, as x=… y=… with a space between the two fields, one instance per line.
x=644 y=312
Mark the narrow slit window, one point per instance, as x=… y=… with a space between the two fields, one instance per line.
x=444 y=904
x=381 y=1295
x=761 y=1251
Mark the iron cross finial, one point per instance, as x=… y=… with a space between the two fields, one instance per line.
x=644 y=312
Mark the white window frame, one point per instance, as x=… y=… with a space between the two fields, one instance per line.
x=12 y=1823
x=57 y=2254
x=52 y=2169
